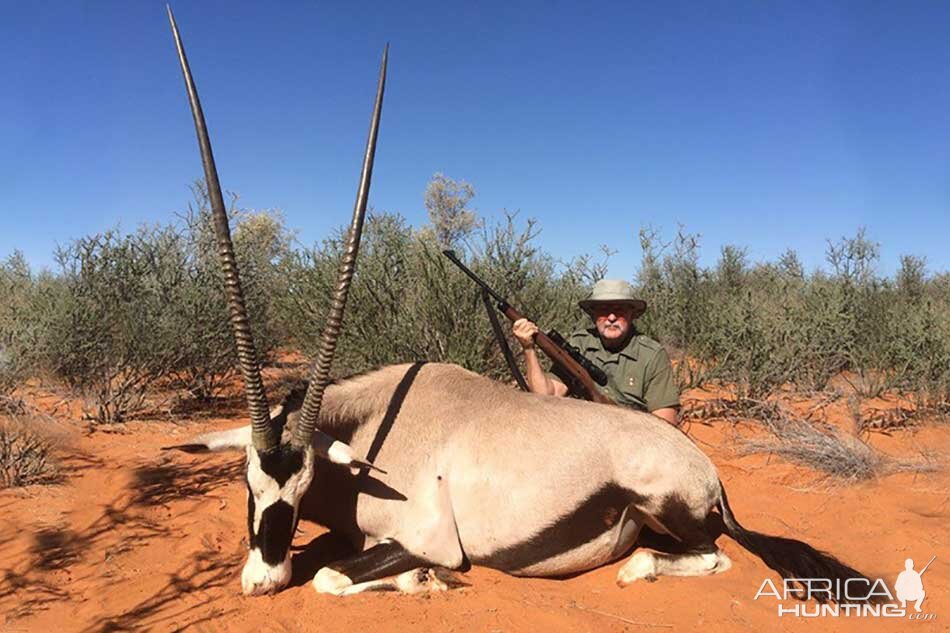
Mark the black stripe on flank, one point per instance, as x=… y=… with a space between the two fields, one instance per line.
x=392 y=411
x=275 y=532
x=595 y=516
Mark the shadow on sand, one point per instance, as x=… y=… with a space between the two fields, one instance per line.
x=91 y=556
x=167 y=482
x=169 y=608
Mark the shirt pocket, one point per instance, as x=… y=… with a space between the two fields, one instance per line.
x=629 y=381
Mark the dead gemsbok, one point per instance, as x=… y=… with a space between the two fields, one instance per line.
x=467 y=470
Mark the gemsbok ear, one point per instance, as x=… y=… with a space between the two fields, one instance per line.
x=337 y=452
x=324 y=447
x=216 y=442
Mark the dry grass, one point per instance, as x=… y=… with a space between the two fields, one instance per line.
x=26 y=456
x=727 y=410
x=11 y=405
x=822 y=447
x=878 y=420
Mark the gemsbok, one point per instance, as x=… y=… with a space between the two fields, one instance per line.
x=428 y=467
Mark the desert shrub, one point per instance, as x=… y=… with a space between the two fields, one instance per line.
x=408 y=302
x=760 y=327
x=450 y=219
x=16 y=287
x=196 y=319
x=680 y=310
x=26 y=457
x=125 y=311
x=128 y=311
x=916 y=355
x=821 y=326
x=101 y=327
x=730 y=323
x=887 y=334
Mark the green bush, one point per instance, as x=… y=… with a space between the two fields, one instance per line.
x=126 y=312
x=196 y=321
x=765 y=326
x=103 y=327
x=16 y=287
x=409 y=302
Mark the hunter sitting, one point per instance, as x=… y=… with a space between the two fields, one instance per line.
x=638 y=369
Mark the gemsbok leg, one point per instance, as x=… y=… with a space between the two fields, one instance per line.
x=648 y=565
x=688 y=537
x=370 y=571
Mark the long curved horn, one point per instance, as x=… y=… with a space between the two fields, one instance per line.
x=320 y=375
x=263 y=436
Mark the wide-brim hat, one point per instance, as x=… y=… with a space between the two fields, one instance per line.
x=613 y=291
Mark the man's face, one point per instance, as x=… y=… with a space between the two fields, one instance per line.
x=612 y=320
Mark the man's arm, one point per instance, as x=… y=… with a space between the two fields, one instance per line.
x=667 y=413
x=661 y=393
x=538 y=380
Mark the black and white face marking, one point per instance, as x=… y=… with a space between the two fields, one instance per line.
x=276 y=482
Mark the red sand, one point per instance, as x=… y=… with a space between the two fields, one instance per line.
x=138 y=539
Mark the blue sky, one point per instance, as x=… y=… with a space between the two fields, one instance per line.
x=764 y=124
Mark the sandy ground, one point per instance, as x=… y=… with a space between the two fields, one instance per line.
x=140 y=539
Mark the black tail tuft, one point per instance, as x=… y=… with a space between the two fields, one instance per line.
x=788 y=557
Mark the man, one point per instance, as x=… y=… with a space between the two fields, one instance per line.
x=639 y=373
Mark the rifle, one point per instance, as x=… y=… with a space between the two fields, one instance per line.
x=552 y=344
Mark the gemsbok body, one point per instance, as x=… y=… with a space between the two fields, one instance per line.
x=426 y=467
x=479 y=473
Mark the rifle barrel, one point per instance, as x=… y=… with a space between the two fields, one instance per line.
x=455 y=260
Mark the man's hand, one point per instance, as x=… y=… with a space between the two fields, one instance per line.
x=524 y=330
x=538 y=382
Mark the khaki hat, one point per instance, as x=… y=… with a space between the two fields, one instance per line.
x=613 y=291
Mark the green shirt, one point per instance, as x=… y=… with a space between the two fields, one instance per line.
x=638 y=376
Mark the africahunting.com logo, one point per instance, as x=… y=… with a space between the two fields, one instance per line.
x=861 y=597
